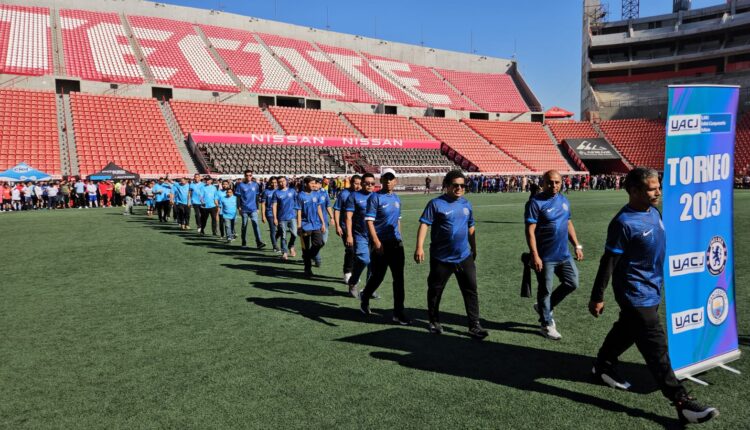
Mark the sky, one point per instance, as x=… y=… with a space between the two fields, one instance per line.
x=543 y=35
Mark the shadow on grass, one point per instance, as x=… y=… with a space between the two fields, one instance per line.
x=744 y=340
x=514 y=366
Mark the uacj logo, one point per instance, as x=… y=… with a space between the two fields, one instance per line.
x=683 y=264
x=686 y=320
x=684 y=124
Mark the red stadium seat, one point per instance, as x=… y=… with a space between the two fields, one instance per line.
x=28 y=130
x=640 y=141
x=491 y=91
x=308 y=122
x=25 y=40
x=129 y=131
x=220 y=117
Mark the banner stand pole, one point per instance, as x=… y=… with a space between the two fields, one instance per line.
x=696 y=380
x=730 y=369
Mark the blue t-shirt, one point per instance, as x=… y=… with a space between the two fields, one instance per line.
x=357 y=204
x=450 y=221
x=228 y=206
x=324 y=200
x=384 y=209
x=181 y=194
x=551 y=215
x=640 y=240
x=308 y=204
x=196 y=192
x=209 y=196
x=80 y=187
x=340 y=205
x=267 y=199
x=248 y=195
x=286 y=204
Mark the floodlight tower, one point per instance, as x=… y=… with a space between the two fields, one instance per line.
x=630 y=9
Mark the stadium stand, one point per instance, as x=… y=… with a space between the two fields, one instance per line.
x=640 y=141
x=385 y=126
x=370 y=78
x=402 y=160
x=28 y=130
x=177 y=55
x=126 y=130
x=97 y=48
x=527 y=143
x=572 y=130
x=253 y=64
x=220 y=117
x=233 y=158
x=25 y=40
x=421 y=81
x=742 y=146
x=315 y=69
x=490 y=91
x=309 y=122
x=466 y=144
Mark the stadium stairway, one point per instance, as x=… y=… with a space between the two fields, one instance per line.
x=136 y=47
x=62 y=136
x=324 y=54
x=463 y=96
x=349 y=124
x=559 y=147
x=276 y=126
x=58 y=59
x=70 y=134
x=179 y=140
x=217 y=57
x=300 y=82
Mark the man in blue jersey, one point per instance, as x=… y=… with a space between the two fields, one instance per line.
x=209 y=206
x=311 y=223
x=285 y=217
x=247 y=194
x=548 y=230
x=194 y=200
x=266 y=210
x=634 y=259
x=161 y=193
x=324 y=200
x=453 y=249
x=357 y=236
x=181 y=190
x=339 y=216
x=383 y=218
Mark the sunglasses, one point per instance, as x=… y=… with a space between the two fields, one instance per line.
x=459 y=186
x=368 y=184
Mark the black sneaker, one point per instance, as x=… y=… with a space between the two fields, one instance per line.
x=436 y=328
x=606 y=373
x=308 y=273
x=365 y=308
x=261 y=245
x=401 y=320
x=690 y=411
x=477 y=332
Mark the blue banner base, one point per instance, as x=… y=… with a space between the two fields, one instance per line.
x=709 y=364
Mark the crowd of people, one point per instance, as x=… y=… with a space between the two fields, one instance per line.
x=369 y=225
x=367 y=218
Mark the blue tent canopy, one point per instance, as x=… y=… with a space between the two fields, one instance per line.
x=23 y=172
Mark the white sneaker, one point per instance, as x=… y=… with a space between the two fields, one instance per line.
x=346 y=278
x=550 y=332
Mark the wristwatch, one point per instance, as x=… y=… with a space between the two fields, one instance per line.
x=579 y=247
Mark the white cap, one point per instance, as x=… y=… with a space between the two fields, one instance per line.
x=388 y=170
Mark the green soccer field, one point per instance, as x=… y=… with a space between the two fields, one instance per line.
x=121 y=322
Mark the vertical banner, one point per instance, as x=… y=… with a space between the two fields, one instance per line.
x=697 y=214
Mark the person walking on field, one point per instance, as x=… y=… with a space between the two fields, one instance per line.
x=634 y=260
x=548 y=230
x=339 y=217
x=383 y=218
x=453 y=250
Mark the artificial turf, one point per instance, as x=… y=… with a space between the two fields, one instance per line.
x=122 y=322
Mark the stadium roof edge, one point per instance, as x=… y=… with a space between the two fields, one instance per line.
x=688 y=14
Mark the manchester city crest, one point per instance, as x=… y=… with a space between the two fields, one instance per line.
x=718 y=306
